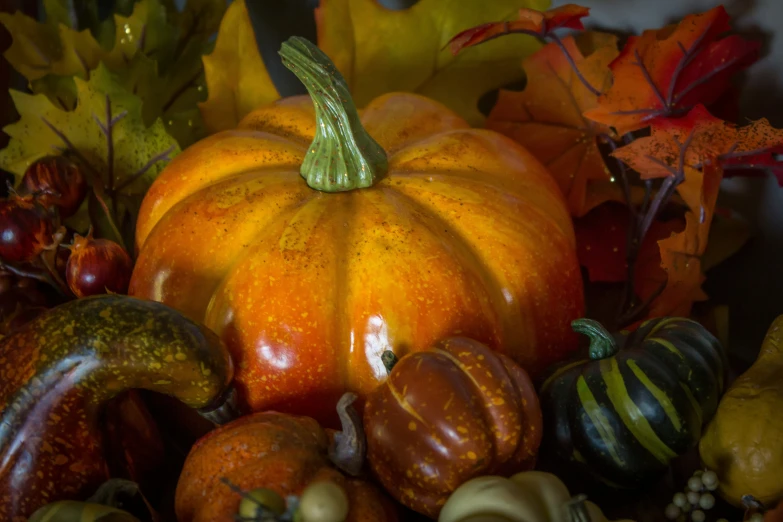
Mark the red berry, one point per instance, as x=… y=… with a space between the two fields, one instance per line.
x=25 y=229
x=57 y=181
x=97 y=266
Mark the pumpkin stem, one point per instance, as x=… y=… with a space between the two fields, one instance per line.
x=224 y=408
x=602 y=343
x=347 y=452
x=342 y=156
x=389 y=360
x=576 y=510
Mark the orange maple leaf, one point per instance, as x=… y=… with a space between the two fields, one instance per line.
x=681 y=252
x=547 y=118
x=666 y=72
x=709 y=139
x=529 y=21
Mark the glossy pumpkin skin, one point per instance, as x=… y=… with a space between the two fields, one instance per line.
x=284 y=453
x=467 y=234
x=743 y=441
x=446 y=415
x=621 y=417
x=58 y=370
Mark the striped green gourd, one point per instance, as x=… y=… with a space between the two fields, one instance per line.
x=638 y=401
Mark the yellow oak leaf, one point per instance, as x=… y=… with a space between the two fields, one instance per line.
x=105 y=131
x=547 y=118
x=156 y=48
x=377 y=50
x=42 y=49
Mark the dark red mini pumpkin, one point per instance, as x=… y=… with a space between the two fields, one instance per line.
x=446 y=415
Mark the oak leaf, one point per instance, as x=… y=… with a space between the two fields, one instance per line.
x=528 y=21
x=105 y=132
x=156 y=48
x=752 y=146
x=547 y=118
x=377 y=50
x=668 y=71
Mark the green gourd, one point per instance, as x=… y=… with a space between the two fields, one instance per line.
x=60 y=369
x=639 y=400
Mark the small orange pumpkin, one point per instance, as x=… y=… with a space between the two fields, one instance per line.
x=408 y=227
x=282 y=454
x=447 y=415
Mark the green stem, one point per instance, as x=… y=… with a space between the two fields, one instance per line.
x=342 y=156
x=602 y=344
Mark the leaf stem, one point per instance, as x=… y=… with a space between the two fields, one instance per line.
x=27 y=273
x=556 y=39
x=639 y=63
x=147 y=166
x=98 y=191
x=95 y=172
x=651 y=208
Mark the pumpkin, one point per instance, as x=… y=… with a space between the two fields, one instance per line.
x=743 y=442
x=446 y=415
x=408 y=227
x=58 y=370
x=639 y=400
x=530 y=496
x=279 y=453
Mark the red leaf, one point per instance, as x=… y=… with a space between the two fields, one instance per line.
x=709 y=139
x=666 y=71
x=530 y=21
x=601 y=237
x=546 y=118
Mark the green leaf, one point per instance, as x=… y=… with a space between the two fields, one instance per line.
x=61 y=90
x=106 y=132
x=79 y=15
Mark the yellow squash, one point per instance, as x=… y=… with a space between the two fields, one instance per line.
x=530 y=496
x=744 y=441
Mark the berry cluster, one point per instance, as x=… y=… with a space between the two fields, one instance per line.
x=696 y=499
x=33 y=238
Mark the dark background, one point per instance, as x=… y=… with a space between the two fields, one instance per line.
x=751 y=282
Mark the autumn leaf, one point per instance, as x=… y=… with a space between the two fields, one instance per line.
x=377 y=50
x=160 y=43
x=41 y=49
x=668 y=71
x=546 y=117
x=105 y=129
x=601 y=242
x=236 y=77
x=105 y=132
x=709 y=139
x=681 y=253
x=529 y=21
x=649 y=276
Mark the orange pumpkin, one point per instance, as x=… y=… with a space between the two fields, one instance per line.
x=447 y=415
x=284 y=454
x=408 y=227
